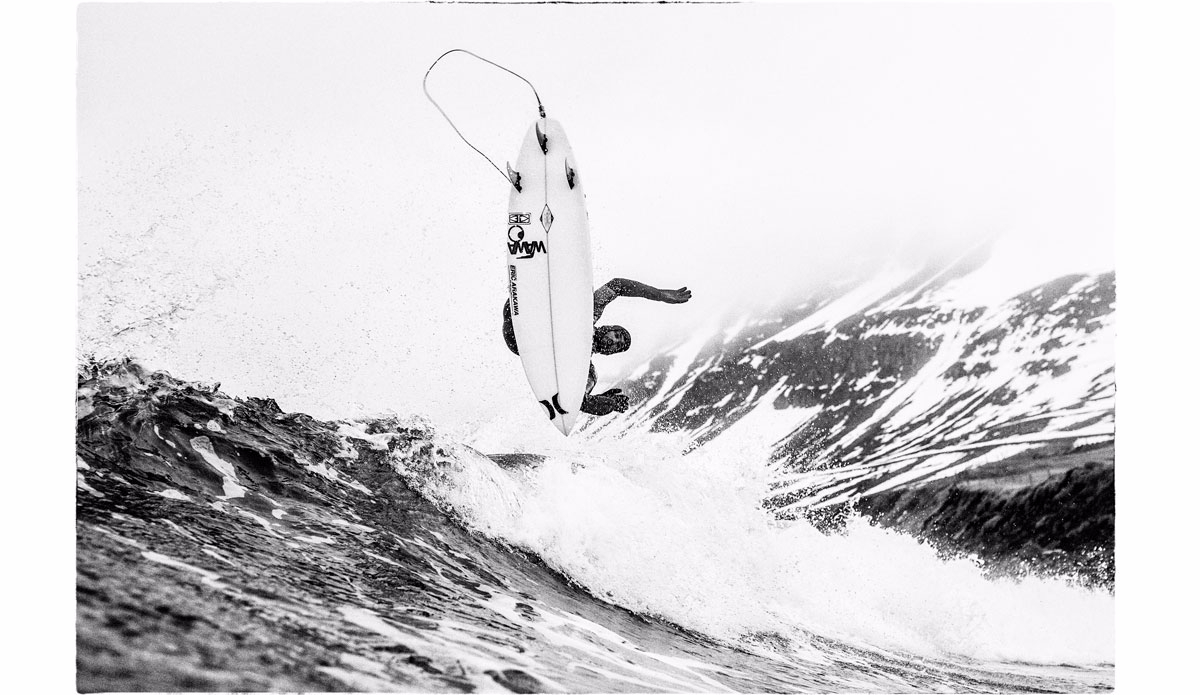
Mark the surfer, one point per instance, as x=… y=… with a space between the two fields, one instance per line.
x=606 y=340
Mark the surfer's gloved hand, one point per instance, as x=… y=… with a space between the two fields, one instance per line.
x=605 y=403
x=620 y=402
x=596 y=405
x=678 y=296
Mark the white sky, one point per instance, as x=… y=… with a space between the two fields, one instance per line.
x=276 y=173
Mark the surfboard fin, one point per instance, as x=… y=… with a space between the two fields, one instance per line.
x=543 y=141
x=570 y=175
x=513 y=176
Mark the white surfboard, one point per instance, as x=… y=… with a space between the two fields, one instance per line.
x=550 y=272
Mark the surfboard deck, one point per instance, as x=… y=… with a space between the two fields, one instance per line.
x=550 y=272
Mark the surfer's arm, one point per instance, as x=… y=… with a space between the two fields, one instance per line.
x=624 y=287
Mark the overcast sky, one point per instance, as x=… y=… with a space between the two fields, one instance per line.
x=268 y=200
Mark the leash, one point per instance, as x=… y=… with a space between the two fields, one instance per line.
x=512 y=177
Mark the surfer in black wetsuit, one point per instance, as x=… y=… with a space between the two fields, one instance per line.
x=607 y=340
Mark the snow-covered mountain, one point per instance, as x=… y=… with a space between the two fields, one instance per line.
x=901 y=380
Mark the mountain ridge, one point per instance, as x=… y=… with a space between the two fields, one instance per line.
x=890 y=383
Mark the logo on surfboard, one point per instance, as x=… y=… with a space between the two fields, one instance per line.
x=512 y=290
x=556 y=407
x=517 y=246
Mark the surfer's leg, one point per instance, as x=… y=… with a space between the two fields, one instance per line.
x=510 y=336
x=604 y=403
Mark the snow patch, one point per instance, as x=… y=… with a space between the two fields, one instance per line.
x=853 y=302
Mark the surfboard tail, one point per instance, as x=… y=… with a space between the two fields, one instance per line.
x=566 y=423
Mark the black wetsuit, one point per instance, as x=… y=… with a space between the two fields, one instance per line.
x=601 y=404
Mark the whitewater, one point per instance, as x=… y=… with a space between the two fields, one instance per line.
x=686 y=538
x=389 y=555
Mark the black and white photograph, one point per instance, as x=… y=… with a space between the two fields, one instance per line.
x=604 y=347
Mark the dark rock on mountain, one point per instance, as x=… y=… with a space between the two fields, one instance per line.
x=1048 y=516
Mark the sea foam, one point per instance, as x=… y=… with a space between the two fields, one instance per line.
x=685 y=538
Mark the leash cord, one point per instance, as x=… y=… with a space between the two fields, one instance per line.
x=425 y=87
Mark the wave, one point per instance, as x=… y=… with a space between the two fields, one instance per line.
x=686 y=538
x=225 y=544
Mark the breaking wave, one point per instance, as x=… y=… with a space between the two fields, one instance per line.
x=388 y=556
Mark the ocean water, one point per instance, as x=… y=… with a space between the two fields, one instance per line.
x=393 y=556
